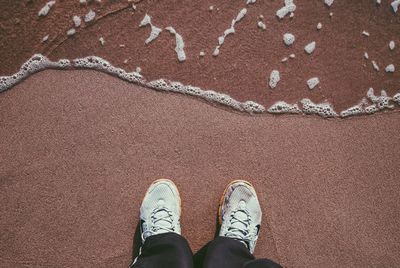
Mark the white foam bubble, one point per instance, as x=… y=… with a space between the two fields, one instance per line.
x=289 y=7
x=395 y=5
x=365 y=33
x=288 y=39
x=274 y=78
x=366 y=55
x=77 y=21
x=375 y=65
x=248 y=2
x=46 y=9
x=282 y=107
x=71 y=32
x=155 y=31
x=390 y=68
x=90 y=16
x=396 y=98
x=312 y=82
x=309 y=48
x=382 y=101
x=45 y=38
x=35 y=64
x=102 y=41
x=328 y=2
x=322 y=109
x=261 y=25
x=179 y=44
x=392 y=45
x=319 y=26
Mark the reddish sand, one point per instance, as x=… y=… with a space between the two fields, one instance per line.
x=79 y=149
x=246 y=58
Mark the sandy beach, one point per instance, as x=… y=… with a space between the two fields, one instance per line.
x=79 y=148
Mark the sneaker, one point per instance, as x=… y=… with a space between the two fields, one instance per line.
x=161 y=209
x=240 y=213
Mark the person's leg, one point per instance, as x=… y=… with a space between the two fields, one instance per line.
x=239 y=215
x=163 y=246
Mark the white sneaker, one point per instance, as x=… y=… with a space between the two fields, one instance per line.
x=161 y=209
x=240 y=213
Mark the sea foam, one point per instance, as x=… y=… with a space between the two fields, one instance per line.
x=39 y=62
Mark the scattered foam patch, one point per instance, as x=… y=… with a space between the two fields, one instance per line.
x=45 y=38
x=102 y=41
x=282 y=107
x=382 y=101
x=179 y=44
x=395 y=5
x=328 y=2
x=77 y=21
x=288 y=39
x=35 y=64
x=396 y=98
x=46 y=9
x=289 y=7
x=90 y=16
x=248 y=2
x=274 y=78
x=71 y=32
x=230 y=30
x=312 y=82
x=392 y=45
x=155 y=31
x=366 y=55
x=322 y=109
x=319 y=26
x=365 y=33
x=375 y=65
x=310 y=47
x=390 y=68
x=261 y=25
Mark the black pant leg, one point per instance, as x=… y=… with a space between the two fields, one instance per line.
x=167 y=250
x=227 y=252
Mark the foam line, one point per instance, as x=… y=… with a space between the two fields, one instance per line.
x=35 y=64
x=39 y=62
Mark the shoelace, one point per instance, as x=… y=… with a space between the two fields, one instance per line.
x=161 y=219
x=239 y=228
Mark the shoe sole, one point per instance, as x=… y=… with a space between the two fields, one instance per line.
x=169 y=182
x=221 y=201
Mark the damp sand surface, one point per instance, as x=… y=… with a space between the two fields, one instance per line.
x=242 y=68
x=79 y=149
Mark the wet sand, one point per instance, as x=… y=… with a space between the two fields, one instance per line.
x=79 y=149
x=246 y=58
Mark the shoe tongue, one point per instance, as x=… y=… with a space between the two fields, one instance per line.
x=242 y=216
x=162 y=215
